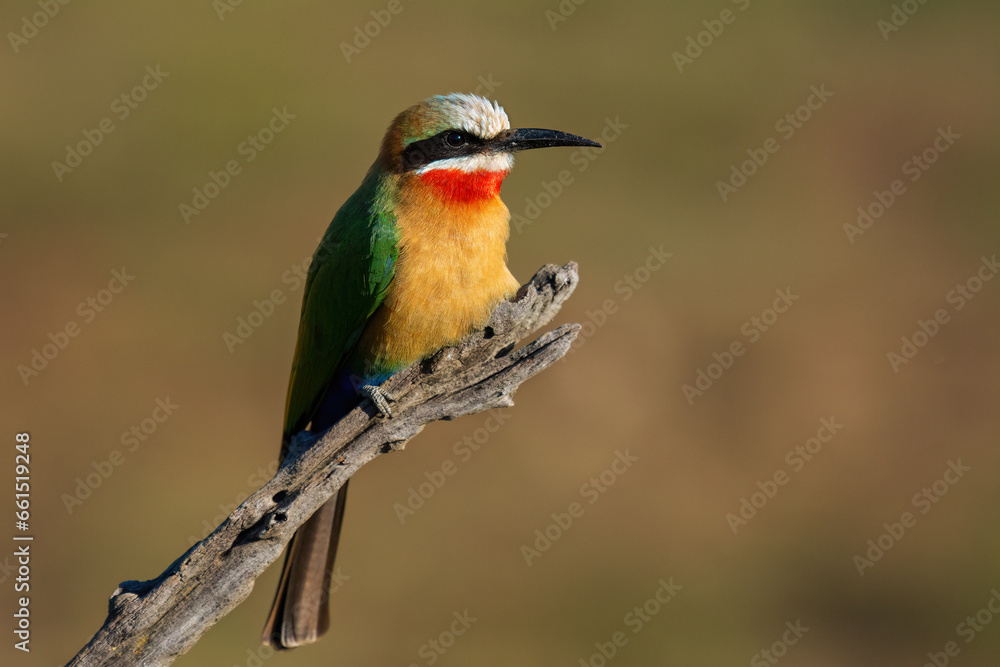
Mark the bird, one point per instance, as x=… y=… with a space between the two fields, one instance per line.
x=413 y=261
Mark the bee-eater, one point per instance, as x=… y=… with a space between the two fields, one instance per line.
x=413 y=261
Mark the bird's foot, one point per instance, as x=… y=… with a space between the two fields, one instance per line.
x=378 y=397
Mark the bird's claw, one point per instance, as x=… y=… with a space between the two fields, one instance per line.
x=378 y=397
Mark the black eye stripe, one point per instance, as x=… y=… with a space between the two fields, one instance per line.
x=425 y=151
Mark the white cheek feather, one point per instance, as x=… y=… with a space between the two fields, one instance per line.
x=473 y=163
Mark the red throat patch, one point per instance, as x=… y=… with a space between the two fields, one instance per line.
x=464 y=186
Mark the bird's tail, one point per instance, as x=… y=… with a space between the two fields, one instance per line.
x=301 y=610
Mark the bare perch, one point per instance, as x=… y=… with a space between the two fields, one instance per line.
x=152 y=622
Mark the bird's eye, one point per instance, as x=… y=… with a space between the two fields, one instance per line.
x=455 y=139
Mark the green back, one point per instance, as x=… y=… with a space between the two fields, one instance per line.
x=348 y=279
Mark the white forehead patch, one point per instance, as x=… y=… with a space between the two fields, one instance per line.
x=473 y=114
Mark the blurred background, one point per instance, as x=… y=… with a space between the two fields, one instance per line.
x=761 y=516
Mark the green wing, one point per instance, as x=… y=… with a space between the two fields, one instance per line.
x=347 y=280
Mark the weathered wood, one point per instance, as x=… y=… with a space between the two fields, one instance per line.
x=152 y=622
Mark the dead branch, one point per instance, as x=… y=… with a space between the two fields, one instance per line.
x=153 y=622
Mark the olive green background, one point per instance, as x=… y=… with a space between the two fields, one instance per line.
x=654 y=186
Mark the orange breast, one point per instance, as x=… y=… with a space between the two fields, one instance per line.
x=450 y=275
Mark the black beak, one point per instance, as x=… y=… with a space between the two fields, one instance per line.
x=510 y=141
